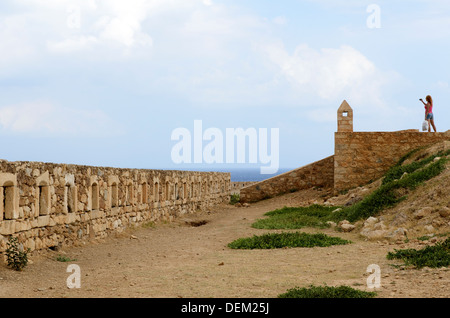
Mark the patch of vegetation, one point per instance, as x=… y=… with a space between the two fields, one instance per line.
x=289 y=239
x=437 y=255
x=387 y=195
x=408 y=155
x=235 y=198
x=149 y=225
x=398 y=170
x=62 y=258
x=16 y=257
x=296 y=217
x=326 y=292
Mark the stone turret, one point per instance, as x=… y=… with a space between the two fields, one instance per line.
x=345 y=118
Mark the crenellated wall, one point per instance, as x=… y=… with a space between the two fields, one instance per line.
x=47 y=205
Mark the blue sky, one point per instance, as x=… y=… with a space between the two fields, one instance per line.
x=106 y=82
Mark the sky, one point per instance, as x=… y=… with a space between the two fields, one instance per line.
x=108 y=82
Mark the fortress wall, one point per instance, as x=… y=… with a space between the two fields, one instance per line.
x=238 y=185
x=363 y=156
x=48 y=205
x=319 y=174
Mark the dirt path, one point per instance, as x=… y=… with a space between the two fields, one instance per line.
x=179 y=260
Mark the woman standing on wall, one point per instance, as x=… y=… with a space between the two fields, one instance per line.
x=429 y=112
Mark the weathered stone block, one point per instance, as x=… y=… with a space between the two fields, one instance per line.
x=43 y=220
x=7 y=227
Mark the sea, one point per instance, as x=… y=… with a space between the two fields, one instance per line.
x=250 y=174
x=242 y=175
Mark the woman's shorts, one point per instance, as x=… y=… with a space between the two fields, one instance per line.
x=430 y=116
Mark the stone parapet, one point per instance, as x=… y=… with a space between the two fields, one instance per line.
x=47 y=205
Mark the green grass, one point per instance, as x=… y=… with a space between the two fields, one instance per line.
x=62 y=258
x=408 y=155
x=387 y=195
x=289 y=239
x=296 y=218
x=326 y=292
x=437 y=255
x=398 y=170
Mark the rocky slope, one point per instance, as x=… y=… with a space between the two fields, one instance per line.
x=424 y=212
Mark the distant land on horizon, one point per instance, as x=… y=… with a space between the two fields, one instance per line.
x=242 y=174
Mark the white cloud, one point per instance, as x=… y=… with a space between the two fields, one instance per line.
x=123 y=32
x=325 y=72
x=48 y=118
x=104 y=24
x=76 y=43
x=15 y=46
x=330 y=74
x=114 y=27
x=209 y=52
x=122 y=21
x=67 y=26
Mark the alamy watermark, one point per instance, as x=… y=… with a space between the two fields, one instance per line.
x=374 y=19
x=374 y=279
x=230 y=146
x=73 y=17
x=74 y=279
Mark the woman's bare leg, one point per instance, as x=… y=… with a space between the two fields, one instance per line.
x=432 y=124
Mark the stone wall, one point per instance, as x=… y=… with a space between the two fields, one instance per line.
x=319 y=174
x=237 y=186
x=360 y=157
x=47 y=205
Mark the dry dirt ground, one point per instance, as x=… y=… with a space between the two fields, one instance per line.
x=177 y=259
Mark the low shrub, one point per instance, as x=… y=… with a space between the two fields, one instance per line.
x=295 y=218
x=62 y=258
x=234 y=198
x=16 y=257
x=326 y=292
x=289 y=239
x=437 y=255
